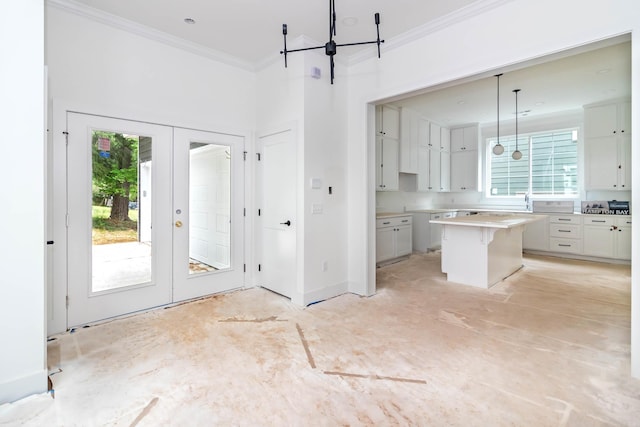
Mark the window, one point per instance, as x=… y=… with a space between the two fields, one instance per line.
x=548 y=167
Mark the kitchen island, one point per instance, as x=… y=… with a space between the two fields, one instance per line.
x=481 y=250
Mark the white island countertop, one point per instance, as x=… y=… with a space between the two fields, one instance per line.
x=480 y=250
x=490 y=220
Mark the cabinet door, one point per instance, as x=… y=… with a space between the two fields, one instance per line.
x=598 y=241
x=403 y=240
x=385 y=243
x=536 y=235
x=624 y=117
x=624 y=162
x=464 y=171
x=457 y=139
x=390 y=122
x=423 y=132
x=601 y=163
x=408 y=160
x=623 y=243
x=424 y=162
x=445 y=139
x=470 y=136
x=434 y=170
x=445 y=171
x=434 y=136
x=600 y=121
x=389 y=164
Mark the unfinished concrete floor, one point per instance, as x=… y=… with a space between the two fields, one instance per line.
x=549 y=346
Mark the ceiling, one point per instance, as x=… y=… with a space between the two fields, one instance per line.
x=250 y=31
x=550 y=86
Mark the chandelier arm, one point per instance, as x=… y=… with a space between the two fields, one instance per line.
x=301 y=49
x=359 y=43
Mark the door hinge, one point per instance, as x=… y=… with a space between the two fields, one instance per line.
x=259 y=267
x=244 y=213
x=244 y=154
x=258 y=212
x=66 y=220
x=66 y=137
x=67 y=301
x=245 y=267
x=258 y=154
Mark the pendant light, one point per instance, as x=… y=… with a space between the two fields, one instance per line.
x=498 y=149
x=517 y=155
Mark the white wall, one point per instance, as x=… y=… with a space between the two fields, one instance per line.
x=96 y=68
x=325 y=157
x=22 y=290
x=516 y=31
x=317 y=110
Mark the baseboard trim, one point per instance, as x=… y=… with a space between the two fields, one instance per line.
x=34 y=383
x=324 y=293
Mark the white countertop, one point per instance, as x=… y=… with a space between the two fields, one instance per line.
x=490 y=221
x=430 y=211
x=391 y=214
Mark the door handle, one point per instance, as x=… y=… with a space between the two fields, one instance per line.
x=287 y=223
x=178 y=223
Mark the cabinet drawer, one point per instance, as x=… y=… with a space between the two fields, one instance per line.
x=623 y=222
x=602 y=220
x=565 y=231
x=393 y=221
x=565 y=219
x=565 y=245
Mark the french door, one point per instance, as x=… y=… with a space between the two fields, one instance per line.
x=154 y=216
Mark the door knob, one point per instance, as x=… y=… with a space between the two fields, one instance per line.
x=178 y=223
x=287 y=223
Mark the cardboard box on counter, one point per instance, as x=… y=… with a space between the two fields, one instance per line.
x=612 y=207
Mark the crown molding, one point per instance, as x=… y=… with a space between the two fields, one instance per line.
x=115 y=21
x=455 y=17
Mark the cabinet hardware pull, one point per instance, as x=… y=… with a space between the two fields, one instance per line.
x=564 y=231
x=405 y=220
x=566 y=246
x=385 y=223
x=564 y=219
x=598 y=220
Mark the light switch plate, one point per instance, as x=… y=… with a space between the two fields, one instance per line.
x=316 y=209
x=316 y=183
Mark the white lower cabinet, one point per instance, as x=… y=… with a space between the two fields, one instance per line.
x=607 y=237
x=393 y=237
x=600 y=236
x=565 y=233
x=536 y=235
x=427 y=236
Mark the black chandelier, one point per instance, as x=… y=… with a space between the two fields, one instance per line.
x=330 y=48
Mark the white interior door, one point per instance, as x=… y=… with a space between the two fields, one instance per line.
x=208 y=219
x=276 y=188
x=119 y=194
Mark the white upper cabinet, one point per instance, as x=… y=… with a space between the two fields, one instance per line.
x=409 y=126
x=607 y=143
x=388 y=121
x=465 y=138
x=434 y=136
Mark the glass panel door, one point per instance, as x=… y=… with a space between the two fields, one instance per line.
x=208 y=213
x=119 y=217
